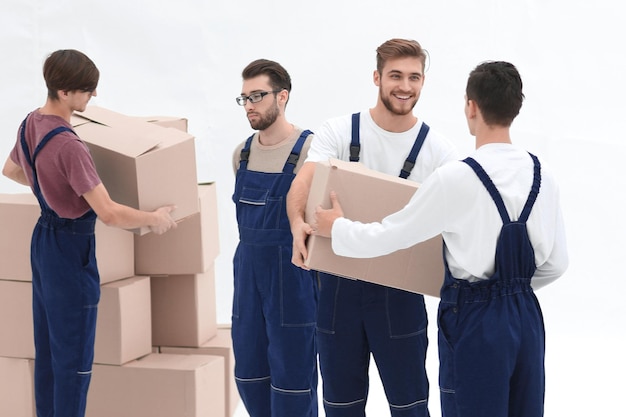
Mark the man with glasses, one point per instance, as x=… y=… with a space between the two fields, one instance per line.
x=275 y=302
x=358 y=318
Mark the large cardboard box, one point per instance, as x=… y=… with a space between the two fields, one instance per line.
x=191 y=248
x=368 y=196
x=179 y=123
x=16 y=388
x=143 y=165
x=183 y=309
x=18 y=216
x=159 y=385
x=16 y=320
x=123 y=331
x=221 y=345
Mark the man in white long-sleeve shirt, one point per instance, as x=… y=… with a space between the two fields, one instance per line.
x=500 y=218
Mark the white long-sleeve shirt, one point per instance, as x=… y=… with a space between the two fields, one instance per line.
x=454 y=202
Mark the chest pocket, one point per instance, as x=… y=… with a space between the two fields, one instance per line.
x=258 y=209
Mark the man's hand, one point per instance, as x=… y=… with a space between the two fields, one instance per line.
x=324 y=219
x=164 y=221
x=300 y=234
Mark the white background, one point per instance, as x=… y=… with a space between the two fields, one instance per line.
x=184 y=58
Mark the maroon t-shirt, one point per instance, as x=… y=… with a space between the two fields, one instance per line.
x=65 y=169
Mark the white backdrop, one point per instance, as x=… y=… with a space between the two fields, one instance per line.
x=185 y=58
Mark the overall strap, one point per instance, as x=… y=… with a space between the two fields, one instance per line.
x=31 y=158
x=410 y=160
x=491 y=188
x=534 y=190
x=497 y=198
x=355 y=144
x=245 y=154
x=294 y=156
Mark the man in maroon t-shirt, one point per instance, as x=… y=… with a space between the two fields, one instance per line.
x=50 y=158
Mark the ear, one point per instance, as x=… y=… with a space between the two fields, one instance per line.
x=376 y=78
x=471 y=109
x=283 y=96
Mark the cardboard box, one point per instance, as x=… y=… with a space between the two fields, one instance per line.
x=183 y=309
x=16 y=320
x=142 y=165
x=368 y=196
x=123 y=331
x=179 y=123
x=191 y=248
x=17 y=398
x=220 y=345
x=159 y=385
x=19 y=214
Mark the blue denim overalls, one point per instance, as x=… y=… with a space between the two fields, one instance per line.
x=491 y=333
x=274 y=304
x=66 y=291
x=356 y=318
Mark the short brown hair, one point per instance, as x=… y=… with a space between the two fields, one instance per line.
x=399 y=48
x=69 y=70
x=279 y=77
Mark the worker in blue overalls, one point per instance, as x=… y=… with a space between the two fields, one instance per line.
x=491 y=332
x=358 y=320
x=50 y=158
x=274 y=303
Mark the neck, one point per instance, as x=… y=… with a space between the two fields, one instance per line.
x=279 y=131
x=492 y=134
x=392 y=122
x=56 y=108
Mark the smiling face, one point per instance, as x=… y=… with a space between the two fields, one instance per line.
x=400 y=84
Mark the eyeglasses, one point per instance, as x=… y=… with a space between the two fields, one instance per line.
x=254 y=97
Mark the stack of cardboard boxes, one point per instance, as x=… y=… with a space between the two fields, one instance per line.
x=159 y=350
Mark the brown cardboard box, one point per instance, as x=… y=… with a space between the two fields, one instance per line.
x=16 y=388
x=191 y=248
x=18 y=216
x=221 y=345
x=123 y=331
x=16 y=320
x=143 y=165
x=183 y=309
x=167 y=121
x=159 y=385
x=367 y=196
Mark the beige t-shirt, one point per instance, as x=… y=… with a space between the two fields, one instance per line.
x=272 y=158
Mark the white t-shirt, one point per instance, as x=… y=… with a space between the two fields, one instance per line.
x=454 y=202
x=381 y=150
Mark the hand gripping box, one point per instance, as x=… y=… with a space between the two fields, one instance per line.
x=368 y=196
x=142 y=165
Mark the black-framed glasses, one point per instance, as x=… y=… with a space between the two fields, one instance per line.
x=254 y=97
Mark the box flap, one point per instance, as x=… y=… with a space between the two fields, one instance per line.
x=114 y=131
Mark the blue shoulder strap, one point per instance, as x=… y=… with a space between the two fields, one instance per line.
x=355 y=144
x=410 y=160
x=245 y=154
x=497 y=198
x=409 y=164
x=294 y=156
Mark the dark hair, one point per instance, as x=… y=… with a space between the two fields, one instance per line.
x=69 y=70
x=496 y=87
x=399 y=48
x=279 y=77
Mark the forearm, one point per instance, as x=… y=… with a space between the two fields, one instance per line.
x=14 y=172
x=298 y=195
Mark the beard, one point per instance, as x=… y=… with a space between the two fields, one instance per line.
x=397 y=110
x=267 y=119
